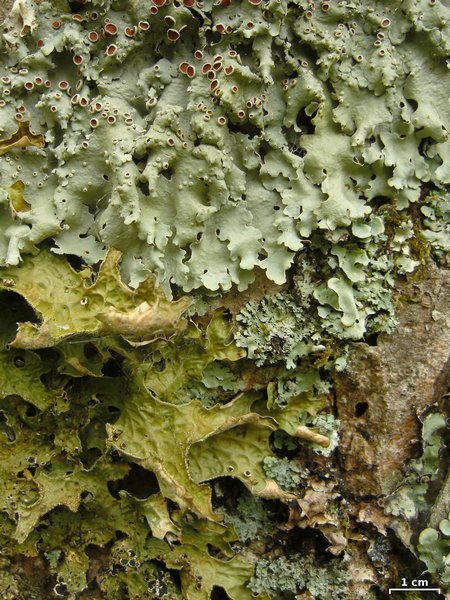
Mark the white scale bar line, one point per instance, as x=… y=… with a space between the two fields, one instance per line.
x=416 y=589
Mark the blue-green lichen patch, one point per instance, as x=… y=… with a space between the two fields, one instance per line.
x=342 y=290
x=203 y=144
x=301 y=573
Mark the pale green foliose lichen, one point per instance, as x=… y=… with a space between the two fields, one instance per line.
x=436 y=223
x=341 y=291
x=434 y=550
x=410 y=503
x=203 y=144
x=151 y=149
x=409 y=500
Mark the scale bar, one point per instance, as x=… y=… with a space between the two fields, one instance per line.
x=416 y=589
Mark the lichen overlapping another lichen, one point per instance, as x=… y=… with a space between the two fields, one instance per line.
x=152 y=150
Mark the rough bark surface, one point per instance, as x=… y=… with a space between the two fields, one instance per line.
x=387 y=386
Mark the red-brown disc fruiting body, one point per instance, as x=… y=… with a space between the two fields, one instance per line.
x=111 y=50
x=111 y=29
x=173 y=35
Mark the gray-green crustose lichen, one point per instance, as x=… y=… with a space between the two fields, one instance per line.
x=341 y=290
x=300 y=573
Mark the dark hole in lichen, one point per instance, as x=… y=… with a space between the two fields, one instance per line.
x=143 y=186
x=226 y=491
x=304 y=52
x=304 y=541
x=139 y=482
x=113 y=366
x=139 y=162
x=218 y=593
x=76 y=6
x=304 y=122
x=14 y=309
x=75 y=262
x=212 y=37
x=379 y=201
x=215 y=552
x=361 y=408
x=90 y=351
x=297 y=150
x=248 y=129
x=263 y=149
x=92 y=85
x=413 y=104
x=172 y=505
x=49 y=355
x=32 y=470
x=424 y=145
x=90 y=456
x=167 y=173
x=372 y=339
x=31 y=411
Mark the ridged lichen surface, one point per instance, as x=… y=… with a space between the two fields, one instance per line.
x=202 y=204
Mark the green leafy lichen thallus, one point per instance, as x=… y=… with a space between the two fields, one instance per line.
x=89 y=402
x=155 y=149
x=203 y=144
x=410 y=504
